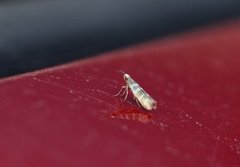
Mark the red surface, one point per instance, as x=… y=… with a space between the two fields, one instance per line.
x=61 y=116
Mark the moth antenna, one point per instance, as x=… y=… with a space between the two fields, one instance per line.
x=121 y=71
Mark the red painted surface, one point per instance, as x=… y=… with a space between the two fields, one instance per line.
x=60 y=116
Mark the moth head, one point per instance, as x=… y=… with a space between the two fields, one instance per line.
x=126 y=77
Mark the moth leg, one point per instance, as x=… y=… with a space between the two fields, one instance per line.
x=123 y=87
x=126 y=88
x=134 y=98
x=126 y=91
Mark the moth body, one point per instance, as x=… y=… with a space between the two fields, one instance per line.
x=141 y=97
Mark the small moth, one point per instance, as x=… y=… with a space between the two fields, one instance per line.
x=139 y=95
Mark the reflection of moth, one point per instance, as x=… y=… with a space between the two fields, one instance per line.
x=139 y=94
x=131 y=113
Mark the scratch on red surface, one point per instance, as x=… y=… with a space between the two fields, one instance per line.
x=132 y=113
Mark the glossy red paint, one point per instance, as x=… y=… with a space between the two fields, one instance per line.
x=60 y=116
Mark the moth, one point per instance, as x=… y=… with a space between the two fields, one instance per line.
x=139 y=95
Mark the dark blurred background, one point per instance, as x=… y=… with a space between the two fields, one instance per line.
x=37 y=34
